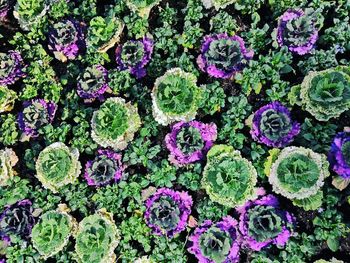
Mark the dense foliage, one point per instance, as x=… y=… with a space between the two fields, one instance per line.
x=149 y=131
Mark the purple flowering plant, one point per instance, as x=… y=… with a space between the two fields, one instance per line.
x=216 y=242
x=188 y=142
x=93 y=83
x=66 y=39
x=167 y=211
x=105 y=168
x=17 y=219
x=134 y=55
x=262 y=222
x=297 y=29
x=35 y=114
x=273 y=126
x=223 y=55
x=11 y=68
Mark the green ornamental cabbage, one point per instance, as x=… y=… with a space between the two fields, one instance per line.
x=175 y=97
x=298 y=174
x=96 y=238
x=142 y=7
x=104 y=33
x=29 y=12
x=57 y=166
x=51 y=234
x=7 y=99
x=115 y=123
x=228 y=178
x=8 y=159
x=326 y=94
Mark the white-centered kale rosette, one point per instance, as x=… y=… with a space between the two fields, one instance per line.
x=298 y=173
x=57 y=166
x=228 y=178
x=142 y=7
x=175 y=97
x=52 y=232
x=115 y=123
x=324 y=94
x=96 y=238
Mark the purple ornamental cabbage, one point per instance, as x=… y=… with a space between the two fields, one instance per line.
x=217 y=242
x=262 y=223
x=11 y=68
x=17 y=219
x=134 y=55
x=5 y=6
x=167 y=211
x=106 y=167
x=36 y=114
x=273 y=126
x=222 y=56
x=66 y=39
x=93 y=83
x=188 y=142
x=339 y=155
x=297 y=30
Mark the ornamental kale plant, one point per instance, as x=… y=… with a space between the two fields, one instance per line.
x=93 y=83
x=167 y=211
x=228 y=178
x=222 y=56
x=115 y=123
x=188 y=142
x=57 y=166
x=298 y=174
x=96 y=238
x=217 y=242
x=175 y=97
x=325 y=94
x=212 y=131
x=262 y=223
x=66 y=40
x=297 y=29
x=51 y=234
x=134 y=56
x=272 y=125
x=11 y=68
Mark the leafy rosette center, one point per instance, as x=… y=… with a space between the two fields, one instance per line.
x=17 y=219
x=106 y=167
x=7 y=99
x=93 y=83
x=97 y=237
x=298 y=173
x=188 y=142
x=273 y=126
x=228 y=178
x=50 y=235
x=11 y=66
x=326 y=94
x=297 y=30
x=134 y=55
x=57 y=166
x=222 y=56
x=167 y=211
x=216 y=243
x=66 y=39
x=36 y=114
x=175 y=97
x=262 y=223
x=115 y=123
